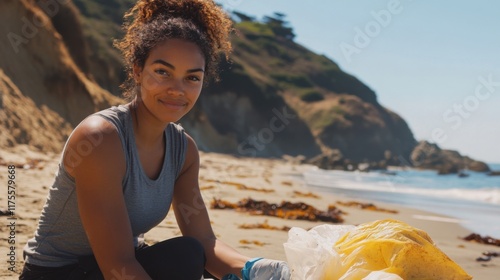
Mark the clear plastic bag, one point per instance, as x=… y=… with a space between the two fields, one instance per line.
x=310 y=253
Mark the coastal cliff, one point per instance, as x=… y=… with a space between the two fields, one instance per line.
x=44 y=93
x=275 y=98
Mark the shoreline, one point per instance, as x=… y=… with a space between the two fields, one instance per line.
x=466 y=213
x=219 y=177
x=477 y=213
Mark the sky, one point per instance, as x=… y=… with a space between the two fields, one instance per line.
x=435 y=63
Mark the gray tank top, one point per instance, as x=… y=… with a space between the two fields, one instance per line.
x=60 y=238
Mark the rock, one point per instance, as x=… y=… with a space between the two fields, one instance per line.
x=364 y=167
x=477 y=166
x=389 y=173
x=494 y=173
x=300 y=159
x=463 y=174
x=430 y=156
x=448 y=169
x=333 y=160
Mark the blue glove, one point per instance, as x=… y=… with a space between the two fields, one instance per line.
x=230 y=277
x=265 y=269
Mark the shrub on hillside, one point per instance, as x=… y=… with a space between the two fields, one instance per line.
x=311 y=96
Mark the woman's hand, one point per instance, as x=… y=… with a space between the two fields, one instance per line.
x=266 y=269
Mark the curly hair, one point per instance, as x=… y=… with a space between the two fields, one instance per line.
x=150 y=22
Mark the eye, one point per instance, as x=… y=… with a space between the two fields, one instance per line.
x=193 y=78
x=161 y=72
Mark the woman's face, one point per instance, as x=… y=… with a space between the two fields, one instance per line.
x=171 y=79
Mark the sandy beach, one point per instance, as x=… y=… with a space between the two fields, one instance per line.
x=231 y=179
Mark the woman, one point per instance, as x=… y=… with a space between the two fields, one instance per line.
x=123 y=167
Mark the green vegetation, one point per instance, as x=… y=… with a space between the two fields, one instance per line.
x=311 y=95
x=300 y=81
x=102 y=21
x=255 y=28
x=335 y=115
x=279 y=26
x=271 y=26
x=111 y=11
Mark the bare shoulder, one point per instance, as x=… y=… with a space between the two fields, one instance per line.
x=94 y=141
x=192 y=159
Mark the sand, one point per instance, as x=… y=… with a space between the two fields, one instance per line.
x=218 y=175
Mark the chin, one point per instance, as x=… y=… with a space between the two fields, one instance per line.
x=171 y=118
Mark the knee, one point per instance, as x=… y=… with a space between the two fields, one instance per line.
x=192 y=249
x=193 y=245
x=176 y=258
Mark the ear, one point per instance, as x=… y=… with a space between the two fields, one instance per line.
x=137 y=71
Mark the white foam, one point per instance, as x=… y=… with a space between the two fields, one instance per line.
x=437 y=219
x=381 y=183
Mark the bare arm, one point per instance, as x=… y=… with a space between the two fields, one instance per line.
x=104 y=216
x=192 y=218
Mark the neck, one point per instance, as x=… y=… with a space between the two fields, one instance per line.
x=148 y=130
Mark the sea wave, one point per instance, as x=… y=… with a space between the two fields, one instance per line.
x=377 y=182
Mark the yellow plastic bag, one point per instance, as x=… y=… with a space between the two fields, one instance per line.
x=386 y=249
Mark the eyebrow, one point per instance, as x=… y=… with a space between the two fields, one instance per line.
x=163 y=62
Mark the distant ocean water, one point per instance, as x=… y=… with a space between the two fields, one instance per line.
x=474 y=201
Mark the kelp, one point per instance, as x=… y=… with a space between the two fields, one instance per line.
x=241 y=186
x=285 y=210
x=365 y=206
x=488 y=240
x=264 y=225
x=308 y=194
x=487 y=255
x=254 y=242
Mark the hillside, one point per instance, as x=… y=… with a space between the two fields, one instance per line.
x=276 y=97
x=44 y=94
x=268 y=73
x=341 y=112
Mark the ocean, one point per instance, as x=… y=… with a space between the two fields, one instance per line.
x=472 y=201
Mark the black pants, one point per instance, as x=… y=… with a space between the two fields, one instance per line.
x=177 y=258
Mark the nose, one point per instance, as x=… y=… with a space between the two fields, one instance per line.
x=175 y=87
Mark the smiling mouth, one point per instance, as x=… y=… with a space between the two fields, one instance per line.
x=173 y=104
